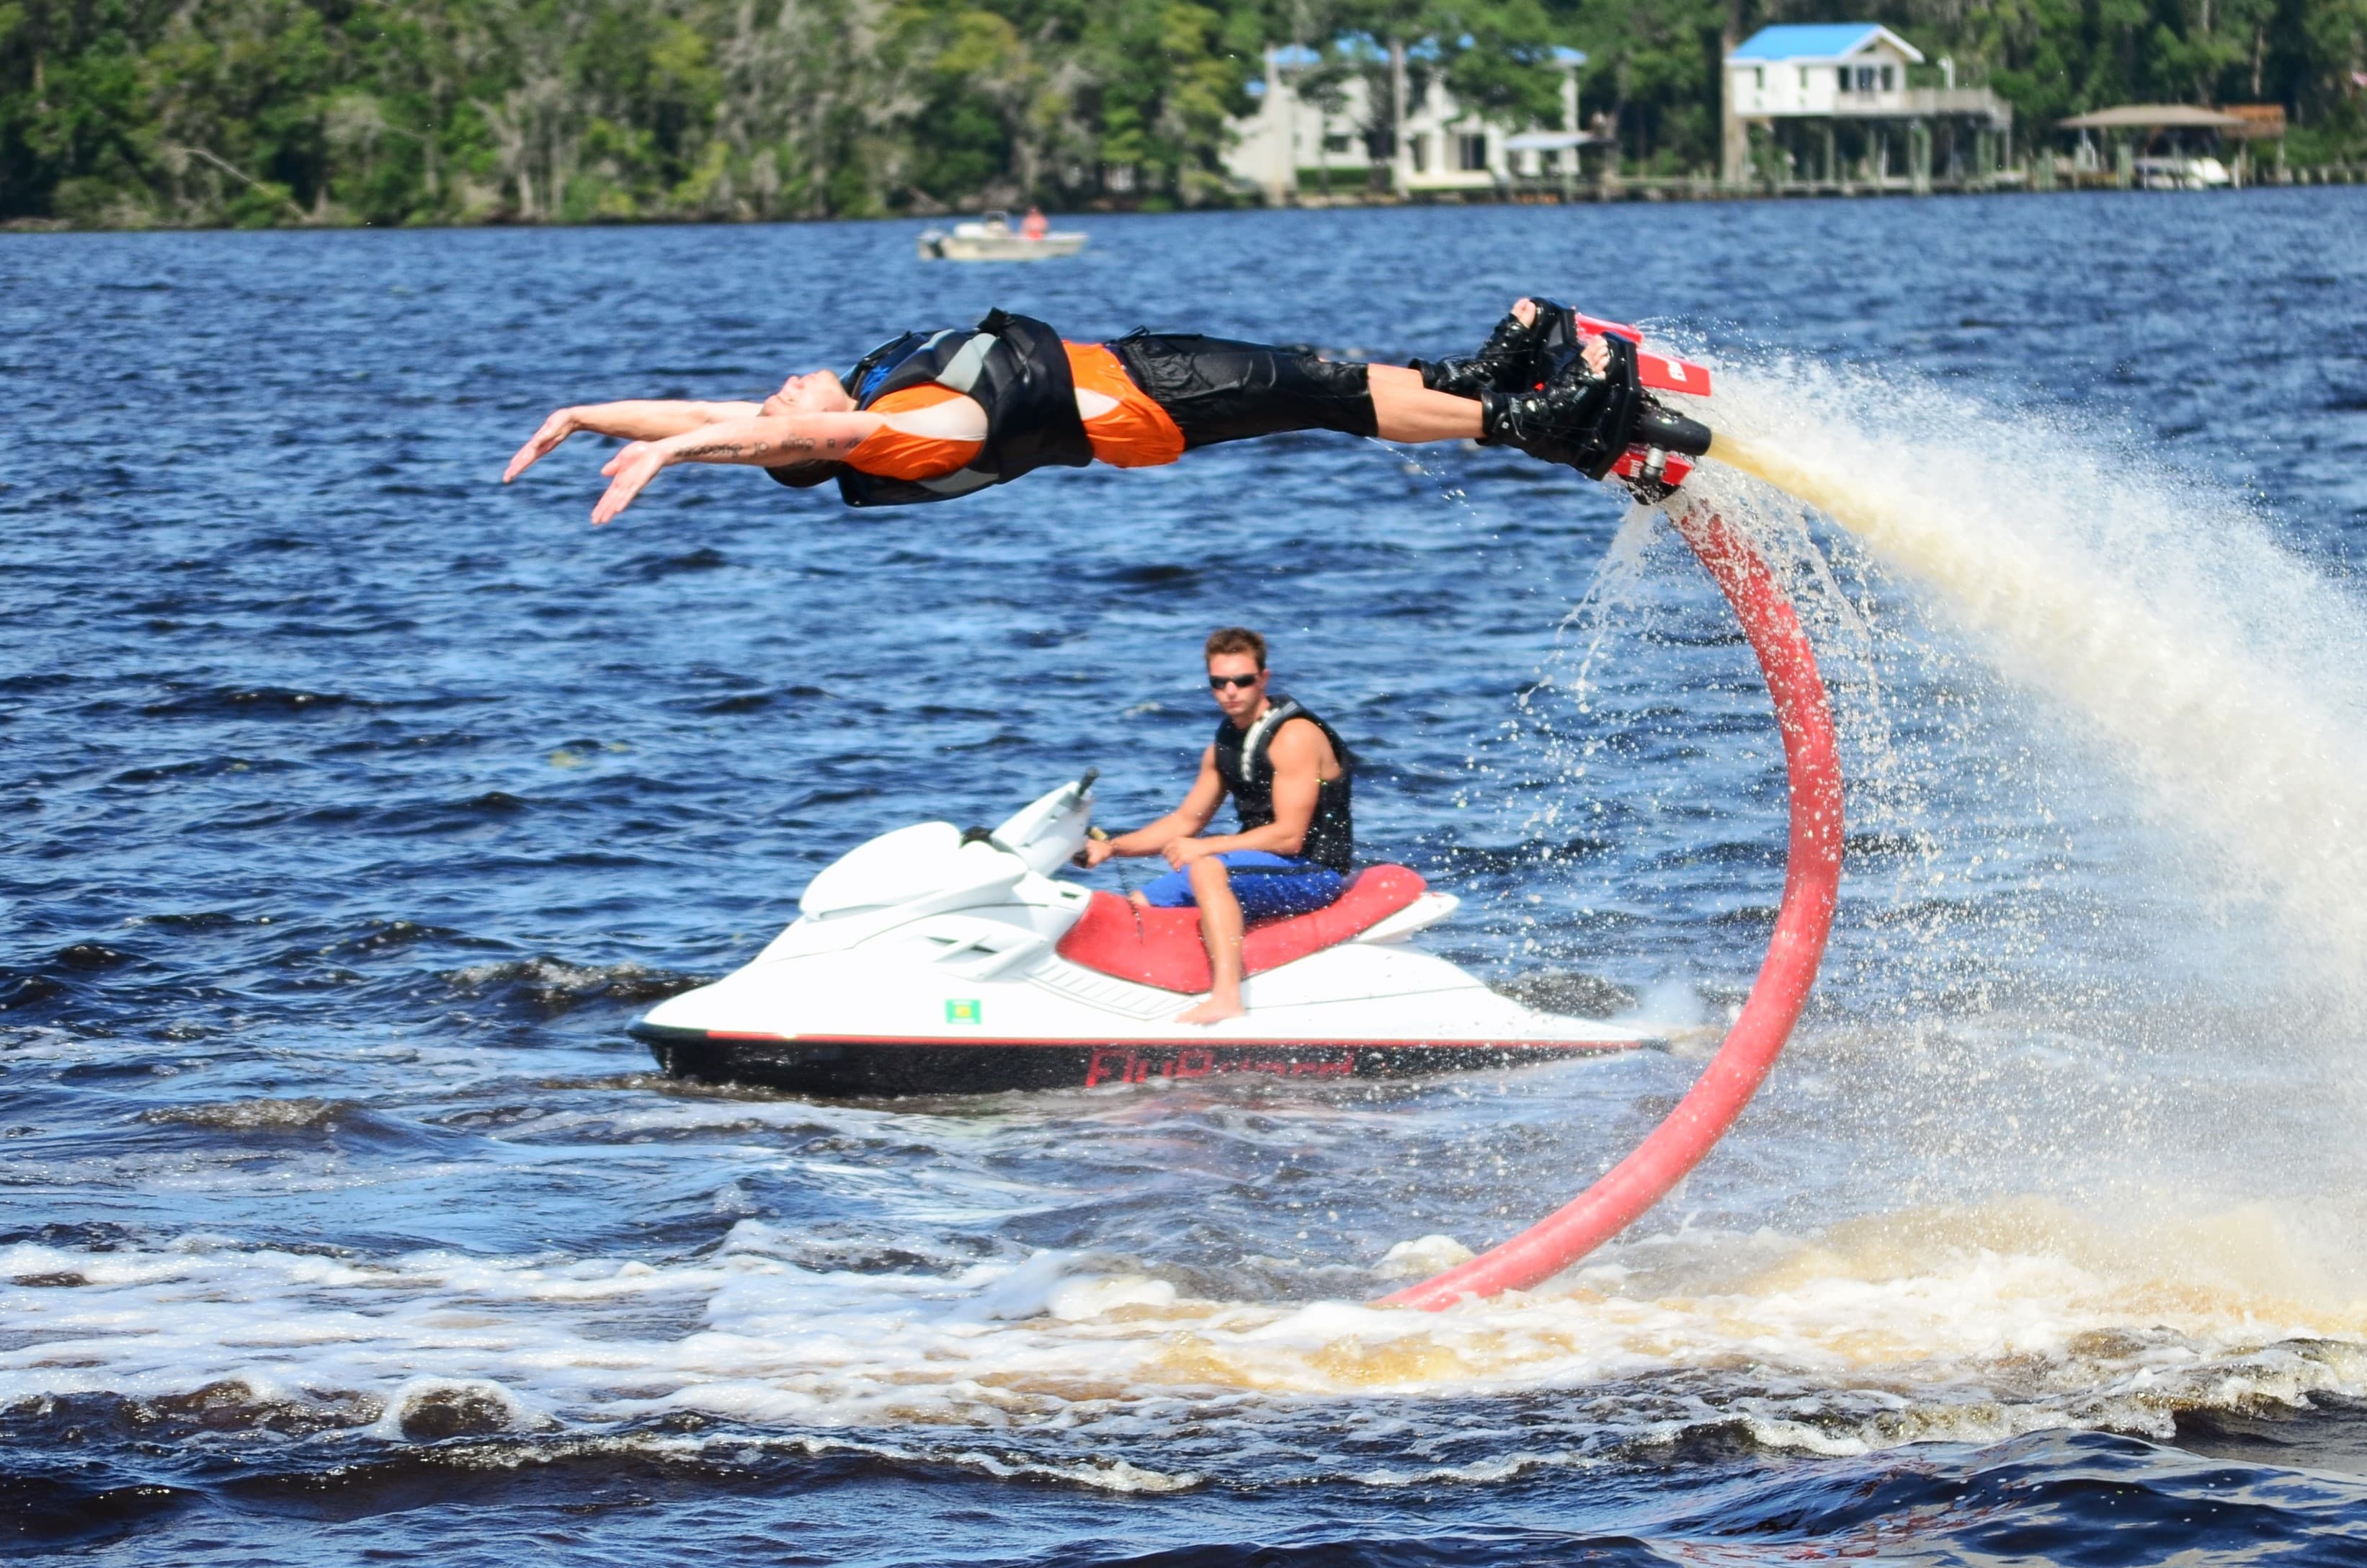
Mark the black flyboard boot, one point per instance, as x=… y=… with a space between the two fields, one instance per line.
x=1637 y=418
x=1513 y=359
x=1577 y=418
x=1536 y=394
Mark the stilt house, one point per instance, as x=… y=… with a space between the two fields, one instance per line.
x=1848 y=105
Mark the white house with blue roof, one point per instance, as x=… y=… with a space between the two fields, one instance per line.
x=1824 y=68
x=1877 y=128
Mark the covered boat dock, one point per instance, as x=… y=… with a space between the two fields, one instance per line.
x=2149 y=144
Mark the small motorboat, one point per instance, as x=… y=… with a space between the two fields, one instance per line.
x=992 y=238
x=2181 y=172
x=933 y=960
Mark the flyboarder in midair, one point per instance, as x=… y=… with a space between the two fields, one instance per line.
x=930 y=415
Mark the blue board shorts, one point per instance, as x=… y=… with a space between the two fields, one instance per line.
x=1269 y=886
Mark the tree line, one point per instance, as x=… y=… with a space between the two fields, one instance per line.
x=121 y=113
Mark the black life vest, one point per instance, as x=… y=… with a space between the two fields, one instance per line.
x=1014 y=367
x=1247 y=776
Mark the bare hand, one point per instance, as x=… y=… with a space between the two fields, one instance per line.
x=1184 y=851
x=1095 y=851
x=543 y=442
x=630 y=472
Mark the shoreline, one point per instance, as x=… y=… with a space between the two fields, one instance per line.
x=1593 y=193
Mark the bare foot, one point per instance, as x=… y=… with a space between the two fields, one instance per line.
x=1210 y=1012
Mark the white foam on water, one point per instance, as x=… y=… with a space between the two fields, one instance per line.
x=1969 y=1323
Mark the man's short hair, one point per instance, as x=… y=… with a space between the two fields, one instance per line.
x=1236 y=640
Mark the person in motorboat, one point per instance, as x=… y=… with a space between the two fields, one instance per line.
x=931 y=416
x=1035 y=226
x=1291 y=778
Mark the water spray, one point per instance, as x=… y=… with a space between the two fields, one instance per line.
x=1811 y=878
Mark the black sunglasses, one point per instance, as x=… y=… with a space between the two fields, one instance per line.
x=1219 y=683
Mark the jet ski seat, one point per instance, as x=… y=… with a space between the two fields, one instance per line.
x=1163 y=946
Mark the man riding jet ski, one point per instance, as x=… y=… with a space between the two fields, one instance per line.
x=938 y=960
x=1287 y=772
x=930 y=415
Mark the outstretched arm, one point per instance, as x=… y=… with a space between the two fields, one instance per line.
x=639 y=419
x=1200 y=803
x=763 y=441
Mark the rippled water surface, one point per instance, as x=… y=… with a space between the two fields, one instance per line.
x=353 y=805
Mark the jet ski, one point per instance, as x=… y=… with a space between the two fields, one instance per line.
x=938 y=960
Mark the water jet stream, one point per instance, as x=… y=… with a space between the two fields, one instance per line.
x=2116 y=602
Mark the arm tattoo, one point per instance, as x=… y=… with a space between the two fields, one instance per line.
x=764 y=450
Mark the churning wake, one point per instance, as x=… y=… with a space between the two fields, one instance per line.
x=1969 y=1325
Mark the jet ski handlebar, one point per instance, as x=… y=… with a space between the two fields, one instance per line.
x=1049 y=829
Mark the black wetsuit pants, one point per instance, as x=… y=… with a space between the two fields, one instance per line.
x=1218 y=390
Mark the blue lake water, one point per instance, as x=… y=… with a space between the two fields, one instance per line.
x=352 y=805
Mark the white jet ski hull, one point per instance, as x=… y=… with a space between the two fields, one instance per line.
x=929 y=961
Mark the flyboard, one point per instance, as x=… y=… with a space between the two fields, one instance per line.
x=936 y=960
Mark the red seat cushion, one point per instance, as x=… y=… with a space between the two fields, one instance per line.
x=1163 y=946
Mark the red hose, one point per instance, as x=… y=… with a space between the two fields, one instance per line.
x=1811 y=885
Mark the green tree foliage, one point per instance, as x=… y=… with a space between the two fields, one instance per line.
x=129 y=112
x=1654 y=70
x=126 y=113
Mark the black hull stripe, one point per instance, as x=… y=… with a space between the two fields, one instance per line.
x=861 y=1066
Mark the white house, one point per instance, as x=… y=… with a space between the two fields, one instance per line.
x=1851 y=77
x=1291 y=144
x=1827 y=68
